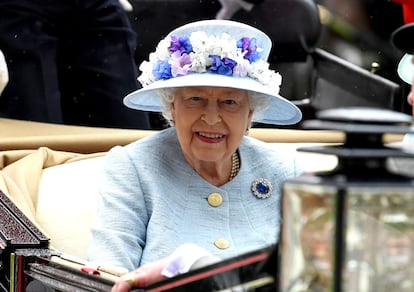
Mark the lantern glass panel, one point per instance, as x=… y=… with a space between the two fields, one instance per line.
x=306 y=240
x=379 y=237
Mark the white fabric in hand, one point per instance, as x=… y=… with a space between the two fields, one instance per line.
x=182 y=259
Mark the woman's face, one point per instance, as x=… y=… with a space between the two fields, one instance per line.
x=210 y=121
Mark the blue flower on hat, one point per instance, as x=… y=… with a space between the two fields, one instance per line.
x=222 y=66
x=162 y=70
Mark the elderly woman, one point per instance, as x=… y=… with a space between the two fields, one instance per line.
x=200 y=187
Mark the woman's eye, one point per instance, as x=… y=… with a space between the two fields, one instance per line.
x=195 y=98
x=230 y=105
x=194 y=101
x=229 y=102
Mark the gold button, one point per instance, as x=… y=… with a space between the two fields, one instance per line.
x=215 y=199
x=221 y=243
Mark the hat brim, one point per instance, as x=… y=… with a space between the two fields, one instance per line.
x=405 y=68
x=280 y=111
x=403 y=38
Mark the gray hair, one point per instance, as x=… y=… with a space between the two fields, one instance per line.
x=259 y=103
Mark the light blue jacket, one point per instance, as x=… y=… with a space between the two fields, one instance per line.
x=153 y=201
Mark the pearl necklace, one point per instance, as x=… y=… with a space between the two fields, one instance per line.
x=235 y=165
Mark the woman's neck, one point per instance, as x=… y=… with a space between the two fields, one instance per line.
x=219 y=173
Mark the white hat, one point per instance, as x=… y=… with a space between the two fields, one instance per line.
x=402 y=39
x=405 y=68
x=219 y=53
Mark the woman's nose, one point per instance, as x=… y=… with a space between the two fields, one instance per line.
x=211 y=114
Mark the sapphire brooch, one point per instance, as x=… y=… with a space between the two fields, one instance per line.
x=262 y=188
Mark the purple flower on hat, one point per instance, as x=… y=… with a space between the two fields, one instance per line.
x=182 y=45
x=241 y=69
x=222 y=66
x=180 y=64
x=162 y=70
x=249 y=46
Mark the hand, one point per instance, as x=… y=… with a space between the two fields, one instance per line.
x=184 y=258
x=141 y=277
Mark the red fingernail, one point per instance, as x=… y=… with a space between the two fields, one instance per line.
x=91 y=271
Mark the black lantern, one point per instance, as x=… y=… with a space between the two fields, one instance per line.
x=352 y=228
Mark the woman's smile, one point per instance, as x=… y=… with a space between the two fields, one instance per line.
x=210 y=137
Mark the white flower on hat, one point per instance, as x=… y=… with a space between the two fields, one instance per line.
x=260 y=71
x=162 y=50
